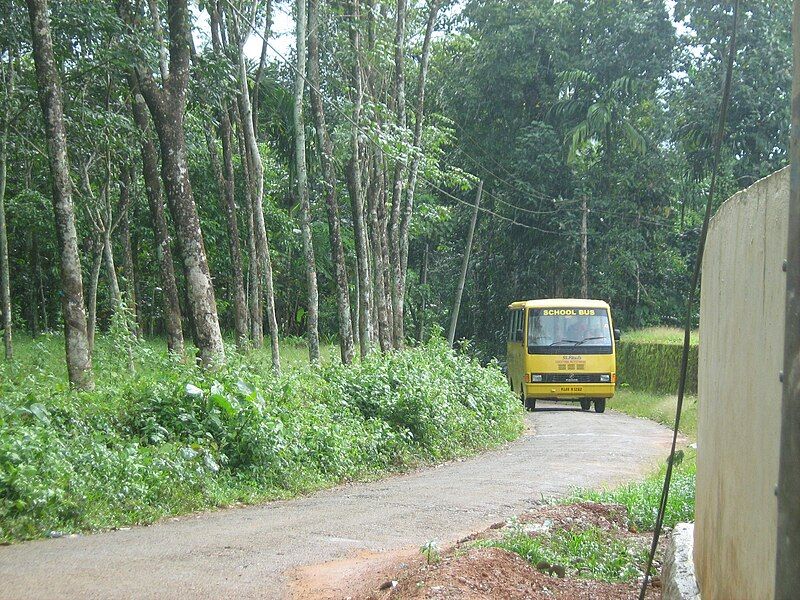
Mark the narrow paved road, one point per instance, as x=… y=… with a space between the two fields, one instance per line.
x=245 y=553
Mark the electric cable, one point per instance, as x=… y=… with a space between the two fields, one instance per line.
x=723 y=114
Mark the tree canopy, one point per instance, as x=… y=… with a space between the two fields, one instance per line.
x=214 y=189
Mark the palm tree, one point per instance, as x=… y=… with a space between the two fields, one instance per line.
x=594 y=113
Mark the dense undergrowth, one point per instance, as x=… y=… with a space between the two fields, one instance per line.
x=171 y=438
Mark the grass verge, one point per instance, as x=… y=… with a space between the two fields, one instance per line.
x=657 y=407
x=602 y=555
x=641 y=499
x=171 y=438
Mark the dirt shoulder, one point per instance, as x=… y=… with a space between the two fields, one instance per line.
x=471 y=569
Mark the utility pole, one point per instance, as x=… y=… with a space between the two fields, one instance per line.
x=460 y=289
x=584 y=249
x=787 y=575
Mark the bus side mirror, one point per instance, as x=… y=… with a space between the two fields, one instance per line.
x=616 y=335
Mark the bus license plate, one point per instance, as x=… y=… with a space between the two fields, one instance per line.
x=571 y=389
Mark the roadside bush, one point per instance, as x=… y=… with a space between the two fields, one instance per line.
x=174 y=438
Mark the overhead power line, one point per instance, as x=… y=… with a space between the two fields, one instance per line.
x=368 y=135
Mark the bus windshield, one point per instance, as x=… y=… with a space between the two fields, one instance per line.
x=559 y=330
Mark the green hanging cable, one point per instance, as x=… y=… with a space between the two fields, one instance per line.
x=723 y=114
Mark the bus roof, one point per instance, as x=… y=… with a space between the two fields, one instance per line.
x=559 y=303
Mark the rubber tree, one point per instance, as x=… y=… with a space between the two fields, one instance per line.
x=79 y=360
x=355 y=187
x=330 y=182
x=302 y=185
x=5 y=279
x=155 y=202
x=240 y=27
x=167 y=104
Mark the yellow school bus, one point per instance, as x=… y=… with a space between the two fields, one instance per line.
x=562 y=349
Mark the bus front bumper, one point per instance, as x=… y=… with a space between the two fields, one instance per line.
x=569 y=391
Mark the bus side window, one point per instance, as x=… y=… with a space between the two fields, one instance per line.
x=510 y=325
x=520 y=325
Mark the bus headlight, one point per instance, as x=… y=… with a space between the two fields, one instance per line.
x=536 y=378
x=605 y=378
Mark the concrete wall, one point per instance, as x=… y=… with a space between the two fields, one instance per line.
x=741 y=318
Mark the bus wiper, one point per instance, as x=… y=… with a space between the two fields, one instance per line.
x=562 y=341
x=596 y=337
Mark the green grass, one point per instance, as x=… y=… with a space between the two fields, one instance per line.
x=642 y=498
x=590 y=553
x=610 y=555
x=657 y=407
x=171 y=438
x=660 y=335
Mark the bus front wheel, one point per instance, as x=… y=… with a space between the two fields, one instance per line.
x=530 y=404
x=586 y=404
x=600 y=405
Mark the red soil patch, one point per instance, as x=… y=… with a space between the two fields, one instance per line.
x=483 y=573
x=469 y=573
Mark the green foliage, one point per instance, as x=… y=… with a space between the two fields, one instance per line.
x=655 y=367
x=173 y=438
x=642 y=498
x=591 y=553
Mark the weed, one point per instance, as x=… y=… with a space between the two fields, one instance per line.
x=592 y=553
x=430 y=550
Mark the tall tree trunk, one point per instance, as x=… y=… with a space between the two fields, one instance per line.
x=399 y=169
x=355 y=188
x=262 y=62
x=33 y=300
x=451 y=335
x=256 y=169
x=302 y=186
x=419 y=117
x=379 y=269
x=254 y=287
x=111 y=270
x=346 y=344
x=584 y=249
x=155 y=201
x=131 y=299
x=356 y=308
x=79 y=361
x=383 y=237
x=225 y=186
x=167 y=106
x=226 y=182
x=5 y=281
x=94 y=280
x=423 y=284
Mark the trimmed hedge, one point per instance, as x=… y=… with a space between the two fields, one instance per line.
x=654 y=367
